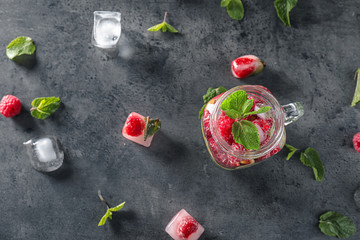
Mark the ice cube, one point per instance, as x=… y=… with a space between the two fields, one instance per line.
x=45 y=153
x=184 y=226
x=107 y=29
x=261 y=133
x=134 y=129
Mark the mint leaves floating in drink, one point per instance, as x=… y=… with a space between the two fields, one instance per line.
x=356 y=98
x=291 y=149
x=311 y=158
x=335 y=224
x=151 y=127
x=210 y=94
x=20 y=46
x=283 y=8
x=164 y=26
x=237 y=106
x=109 y=211
x=44 y=107
x=234 y=8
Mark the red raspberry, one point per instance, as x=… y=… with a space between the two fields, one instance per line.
x=134 y=126
x=356 y=142
x=10 y=106
x=225 y=126
x=206 y=123
x=213 y=146
x=273 y=152
x=187 y=226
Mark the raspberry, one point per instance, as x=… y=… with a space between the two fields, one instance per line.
x=356 y=142
x=10 y=106
x=206 y=122
x=225 y=126
x=271 y=153
x=187 y=226
x=213 y=146
x=134 y=126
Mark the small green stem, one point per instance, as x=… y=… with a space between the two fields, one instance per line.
x=165 y=17
x=103 y=200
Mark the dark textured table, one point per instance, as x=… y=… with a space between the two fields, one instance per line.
x=165 y=76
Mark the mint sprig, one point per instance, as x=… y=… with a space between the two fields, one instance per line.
x=283 y=8
x=237 y=106
x=356 y=98
x=109 y=211
x=334 y=224
x=151 y=127
x=210 y=94
x=20 y=46
x=310 y=157
x=164 y=26
x=234 y=8
x=43 y=107
x=291 y=149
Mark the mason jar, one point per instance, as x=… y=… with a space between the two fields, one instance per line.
x=216 y=128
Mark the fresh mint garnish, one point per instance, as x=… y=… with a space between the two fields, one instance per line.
x=109 y=210
x=234 y=8
x=20 y=46
x=164 y=26
x=210 y=94
x=44 y=107
x=283 y=8
x=151 y=127
x=291 y=149
x=334 y=224
x=356 y=97
x=237 y=106
x=311 y=158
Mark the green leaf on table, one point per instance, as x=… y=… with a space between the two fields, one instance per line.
x=234 y=102
x=246 y=134
x=283 y=8
x=261 y=110
x=164 y=26
x=335 y=224
x=234 y=8
x=311 y=158
x=105 y=217
x=20 y=46
x=156 y=28
x=356 y=98
x=291 y=149
x=210 y=94
x=151 y=127
x=43 y=107
x=117 y=208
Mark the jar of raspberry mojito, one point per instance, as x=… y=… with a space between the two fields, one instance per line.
x=217 y=127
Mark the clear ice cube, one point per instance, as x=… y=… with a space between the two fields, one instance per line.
x=107 y=29
x=45 y=153
x=176 y=222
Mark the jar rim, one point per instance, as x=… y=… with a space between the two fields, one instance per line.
x=278 y=116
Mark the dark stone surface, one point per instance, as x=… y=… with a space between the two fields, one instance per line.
x=165 y=76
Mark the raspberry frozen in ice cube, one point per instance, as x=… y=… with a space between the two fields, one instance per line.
x=184 y=226
x=140 y=129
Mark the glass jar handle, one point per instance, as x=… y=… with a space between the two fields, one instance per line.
x=293 y=111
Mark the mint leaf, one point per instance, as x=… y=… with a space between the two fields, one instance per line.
x=164 y=26
x=151 y=127
x=247 y=105
x=233 y=114
x=356 y=98
x=171 y=28
x=234 y=8
x=104 y=218
x=311 y=158
x=234 y=102
x=156 y=28
x=283 y=8
x=291 y=149
x=261 y=110
x=210 y=94
x=246 y=134
x=20 y=46
x=44 y=107
x=334 y=224
x=117 y=208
